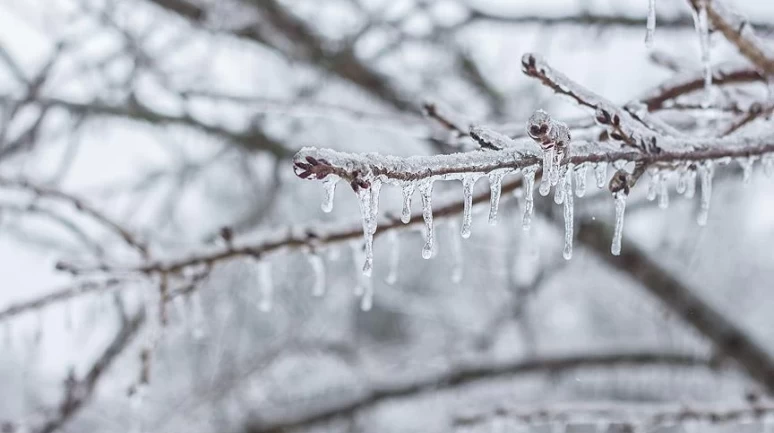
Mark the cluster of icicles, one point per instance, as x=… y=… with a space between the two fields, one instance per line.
x=569 y=182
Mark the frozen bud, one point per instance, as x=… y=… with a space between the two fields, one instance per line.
x=621 y=181
x=538 y=126
x=559 y=134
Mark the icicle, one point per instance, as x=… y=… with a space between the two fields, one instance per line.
x=620 y=210
x=38 y=335
x=568 y=213
x=653 y=182
x=426 y=191
x=529 y=204
x=329 y=183
x=408 y=192
x=467 y=195
x=768 y=164
x=457 y=260
x=663 y=192
x=690 y=190
x=556 y=166
x=198 y=324
x=747 y=168
x=682 y=180
x=318 y=271
x=560 y=192
x=548 y=163
x=365 y=199
x=392 y=275
x=600 y=173
x=580 y=180
x=495 y=186
x=266 y=285
x=706 y=171
x=651 y=24
x=373 y=207
x=702 y=29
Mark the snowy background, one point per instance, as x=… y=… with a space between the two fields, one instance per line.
x=177 y=126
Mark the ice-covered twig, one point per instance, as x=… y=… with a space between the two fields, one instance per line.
x=739 y=32
x=60 y=295
x=621 y=126
x=81 y=206
x=685 y=83
x=630 y=417
x=316 y=164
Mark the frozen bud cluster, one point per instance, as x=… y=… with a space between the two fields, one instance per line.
x=554 y=138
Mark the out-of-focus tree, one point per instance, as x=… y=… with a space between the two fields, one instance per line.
x=164 y=268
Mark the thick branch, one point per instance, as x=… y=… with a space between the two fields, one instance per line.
x=729 y=339
x=465 y=375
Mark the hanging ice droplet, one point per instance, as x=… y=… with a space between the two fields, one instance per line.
x=408 y=192
x=365 y=201
x=580 y=180
x=768 y=164
x=706 y=171
x=457 y=260
x=620 y=210
x=495 y=186
x=529 y=203
x=651 y=30
x=394 y=241
x=548 y=162
x=600 y=174
x=747 y=168
x=701 y=24
x=653 y=181
x=663 y=191
x=426 y=191
x=467 y=213
x=329 y=185
x=318 y=271
x=266 y=286
x=568 y=214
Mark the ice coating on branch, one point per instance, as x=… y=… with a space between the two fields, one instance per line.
x=529 y=203
x=266 y=286
x=663 y=191
x=600 y=174
x=620 y=210
x=318 y=271
x=706 y=171
x=426 y=191
x=495 y=186
x=394 y=241
x=467 y=194
x=747 y=168
x=580 y=180
x=457 y=259
x=701 y=23
x=651 y=30
x=568 y=213
x=329 y=185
